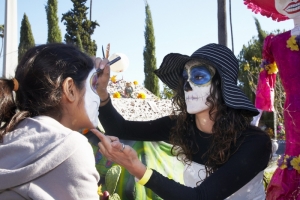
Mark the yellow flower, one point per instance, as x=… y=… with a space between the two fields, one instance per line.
x=295 y=162
x=116 y=95
x=292 y=43
x=246 y=67
x=141 y=95
x=135 y=83
x=272 y=68
x=100 y=190
x=113 y=79
x=256 y=59
x=284 y=163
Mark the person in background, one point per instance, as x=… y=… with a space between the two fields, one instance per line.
x=41 y=109
x=224 y=155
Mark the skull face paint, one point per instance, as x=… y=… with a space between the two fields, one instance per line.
x=91 y=100
x=197 y=83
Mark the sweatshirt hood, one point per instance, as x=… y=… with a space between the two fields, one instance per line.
x=36 y=146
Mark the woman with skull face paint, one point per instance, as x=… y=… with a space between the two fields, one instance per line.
x=224 y=155
x=42 y=108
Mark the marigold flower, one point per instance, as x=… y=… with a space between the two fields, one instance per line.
x=135 y=82
x=141 y=95
x=113 y=79
x=117 y=95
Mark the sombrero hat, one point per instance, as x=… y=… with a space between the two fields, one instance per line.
x=222 y=59
x=265 y=8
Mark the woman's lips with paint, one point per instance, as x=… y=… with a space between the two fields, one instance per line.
x=292 y=7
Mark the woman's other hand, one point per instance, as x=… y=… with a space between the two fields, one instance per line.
x=120 y=153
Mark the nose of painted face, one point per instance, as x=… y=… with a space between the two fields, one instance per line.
x=197 y=83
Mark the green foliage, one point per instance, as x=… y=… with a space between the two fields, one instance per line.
x=167 y=92
x=2 y=37
x=79 y=29
x=112 y=178
x=151 y=80
x=54 y=34
x=26 y=37
x=2 y=31
x=114 y=196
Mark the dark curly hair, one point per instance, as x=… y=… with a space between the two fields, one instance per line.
x=40 y=74
x=228 y=126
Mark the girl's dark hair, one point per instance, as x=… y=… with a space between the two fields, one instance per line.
x=40 y=74
x=228 y=125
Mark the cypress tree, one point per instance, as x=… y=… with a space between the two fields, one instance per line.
x=78 y=28
x=26 y=37
x=54 y=34
x=151 y=80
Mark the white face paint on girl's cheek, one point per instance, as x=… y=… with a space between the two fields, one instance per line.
x=91 y=101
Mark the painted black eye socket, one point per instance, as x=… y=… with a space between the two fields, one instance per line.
x=185 y=75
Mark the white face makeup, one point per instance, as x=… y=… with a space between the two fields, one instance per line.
x=197 y=77
x=91 y=100
x=289 y=8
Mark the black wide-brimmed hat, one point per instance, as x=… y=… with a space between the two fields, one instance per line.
x=219 y=57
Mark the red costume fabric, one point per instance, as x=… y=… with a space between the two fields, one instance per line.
x=285 y=183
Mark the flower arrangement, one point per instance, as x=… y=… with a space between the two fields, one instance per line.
x=289 y=162
x=141 y=95
x=117 y=95
x=293 y=43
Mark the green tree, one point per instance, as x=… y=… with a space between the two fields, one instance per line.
x=26 y=37
x=79 y=28
x=166 y=93
x=2 y=37
x=54 y=34
x=151 y=80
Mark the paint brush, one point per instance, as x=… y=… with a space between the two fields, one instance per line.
x=110 y=63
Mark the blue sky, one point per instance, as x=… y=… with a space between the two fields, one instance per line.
x=180 y=26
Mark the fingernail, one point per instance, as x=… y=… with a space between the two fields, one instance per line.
x=102 y=66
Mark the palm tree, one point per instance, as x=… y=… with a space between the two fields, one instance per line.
x=222 y=30
x=91 y=4
x=2 y=37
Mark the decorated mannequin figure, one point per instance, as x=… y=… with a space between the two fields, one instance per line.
x=282 y=51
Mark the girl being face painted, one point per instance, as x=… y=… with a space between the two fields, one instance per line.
x=91 y=98
x=197 y=83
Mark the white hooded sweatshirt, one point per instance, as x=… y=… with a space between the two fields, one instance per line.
x=42 y=159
